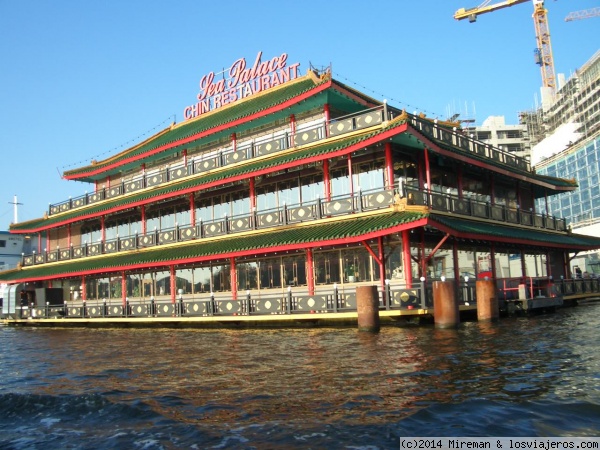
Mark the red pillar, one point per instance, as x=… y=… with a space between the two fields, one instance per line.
x=456 y=263
x=310 y=272
x=143 y=219
x=422 y=255
x=381 y=263
x=124 y=289
x=493 y=260
x=389 y=165
x=69 y=243
x=427 y=173
x=327 y=118
x=326 y=180
x=252 y=194
x=292 y=130
x=192 y=210
x=234 y=141
x=102 y=229
x=83 y=288
x=173 y=285
x=406 y=261
x=350 y=175
x=460 y=182
x=232 y=270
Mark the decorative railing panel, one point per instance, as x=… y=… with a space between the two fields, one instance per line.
x=214 y=228
x=307 y=136
x=134 y=185
x=155 y=179
x=334 y=207
x=178 y=172
x=269 y=219
x=234 y=157
x=187 y=233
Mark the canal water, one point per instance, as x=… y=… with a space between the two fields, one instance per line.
x=319 y=388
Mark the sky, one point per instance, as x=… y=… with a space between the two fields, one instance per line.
x=82 y=80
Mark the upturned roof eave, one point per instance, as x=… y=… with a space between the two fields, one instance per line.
x=332 y=231
x=89 y=173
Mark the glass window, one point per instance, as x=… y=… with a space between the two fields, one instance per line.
x=270 y=273
x=204 y=210
x=327 y=267
x=182 y=216
x=240 y=204
x=368 y=176
x=266 y=197
x=289 y=192
x=340 y=182
x=294 y=270
x=247 y=275
x=221 y=276
x=201 y=280
x=312 y=188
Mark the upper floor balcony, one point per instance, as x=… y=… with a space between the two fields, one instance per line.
x=265 y=145
x=357 y=202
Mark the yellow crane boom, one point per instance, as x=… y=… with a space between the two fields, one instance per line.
x=542 y=33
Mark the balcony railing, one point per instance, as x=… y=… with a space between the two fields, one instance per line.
x=270 y=144
x=327 y=301
x=221 y=158
x=341 y=205
x=308 y=211
x=438 y=201
x=466 y=143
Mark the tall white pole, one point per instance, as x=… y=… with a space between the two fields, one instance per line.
x=15 y=211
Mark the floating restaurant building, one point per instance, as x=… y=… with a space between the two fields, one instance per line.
x=275 y=199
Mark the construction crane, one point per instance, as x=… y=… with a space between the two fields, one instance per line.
x=583 y=14
x=543 y=52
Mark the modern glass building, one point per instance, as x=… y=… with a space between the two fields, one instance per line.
x=581 y=208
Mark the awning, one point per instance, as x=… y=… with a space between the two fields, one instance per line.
x=494 y=232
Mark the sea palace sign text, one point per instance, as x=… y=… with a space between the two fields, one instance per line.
x=241 y=82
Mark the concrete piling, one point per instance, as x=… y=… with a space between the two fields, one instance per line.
x=487 y=300
x=445 y=306
x=367 y=307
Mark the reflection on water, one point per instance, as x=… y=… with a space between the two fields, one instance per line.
x=308 y=388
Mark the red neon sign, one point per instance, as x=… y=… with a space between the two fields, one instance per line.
x=242 y=82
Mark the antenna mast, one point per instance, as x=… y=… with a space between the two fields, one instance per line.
x=15 y=212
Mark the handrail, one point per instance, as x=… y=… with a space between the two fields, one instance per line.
x=440 y=201
x=358 y=201
x=284 y=136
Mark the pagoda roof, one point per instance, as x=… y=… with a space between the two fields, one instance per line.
x=349 y=229
x=346 y=229
x=399 y=131
x=294 y=97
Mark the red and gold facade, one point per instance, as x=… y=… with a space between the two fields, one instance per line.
x=284 y=195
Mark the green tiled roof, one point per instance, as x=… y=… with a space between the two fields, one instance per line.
x=189 y=183
x=558 y=182
x=299 y=236
x=515 y=233
x=217 y=118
